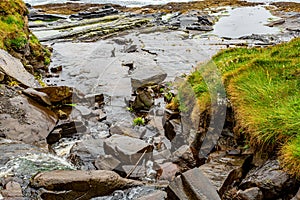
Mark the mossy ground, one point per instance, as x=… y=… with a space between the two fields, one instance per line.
x=16 y=38
x=263 y=86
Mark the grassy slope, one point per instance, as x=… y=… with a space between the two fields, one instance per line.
x=263 y=85
x=16 y=38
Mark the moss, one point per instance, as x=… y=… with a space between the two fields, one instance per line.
x=263 y=87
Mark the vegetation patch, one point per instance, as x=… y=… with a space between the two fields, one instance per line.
x=15 y=37
x=262 y=85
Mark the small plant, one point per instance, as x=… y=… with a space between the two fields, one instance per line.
x=130 y=109
x=139 y=121
x=13 y=83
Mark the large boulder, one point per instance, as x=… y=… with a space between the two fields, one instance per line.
x=83 y=185
x=23 y=119
x=15 y=69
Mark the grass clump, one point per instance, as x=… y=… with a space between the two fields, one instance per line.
x=263 y=87
x=138 y=121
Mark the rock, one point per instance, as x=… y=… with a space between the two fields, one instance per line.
x=162 y=154
x=128 y=150
x=24 y=120
x=297 y=196
x=14 y=68
x=276 y=22
x=192 y=185
x=2 y=76
x=87 y=151
x=145 y=75
x=106 y=162
x=65 y=129
x=56 y=69
x=122 y=128
x=251 y=194
x=85 y=111
x=143 y=100
x=270 y=179
x=12 y=190
x=196 y=27
x=138 y=172
x=39 y=96
x=79 y=184
x=58 y=93
x=169 y=171
x=155 y=195
x=222 y=170
x=184 y=158
x=95 y=13
x=205 y=20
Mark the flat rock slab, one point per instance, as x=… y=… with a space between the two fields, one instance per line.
x=62 y=184
x=128 y=150
x=147 y=73
x=15 y=69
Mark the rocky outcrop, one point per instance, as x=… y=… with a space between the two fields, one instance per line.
x=23 y=119
x=13 y=68
x=79 y=184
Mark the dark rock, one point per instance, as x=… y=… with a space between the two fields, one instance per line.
x=184 y=158
x=79 y=184
x=172 y=128
x=56 y=69
x=95 y=14
x=251 y=194
x=95 y=98
x=270 y=179
x=297 y=196
x=87 y=152
x=106 y=162
x=143 y=100
x=192 y=185
x=39 y=96
x=23 y=119
x=128 y=150
x=196 y=27
x=14 y=68
x=205 y=20
x=2 y=76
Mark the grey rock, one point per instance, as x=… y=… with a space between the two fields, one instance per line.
x=87 y=152
x=106 y=162
x=251 y=194
x=155 y=195
x=122 y=128
x=79 y=184
x=14 y=68
x=139 y=171
x=126 y=149
x=12 y=190
x=146 y=74
x=85 y=111
x=143 y=100
x=199 y=28
x=176 y=190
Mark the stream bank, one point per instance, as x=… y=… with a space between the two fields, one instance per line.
x=99 y=90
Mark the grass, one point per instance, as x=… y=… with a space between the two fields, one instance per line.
x=263 y=85
x=15 y=36
x=138 y=121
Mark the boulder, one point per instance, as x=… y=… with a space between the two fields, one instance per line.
x=38 y=96
x=155 y=195
x=123 y=128
x=128 y=150
x=169 y=171
x=62 y=184
x=14 y=68
x=23 y=119
x=106 y=162
x=145 y=75
x=143 y=100
x=270 y=179
x=58 y=93
x=192 y=185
